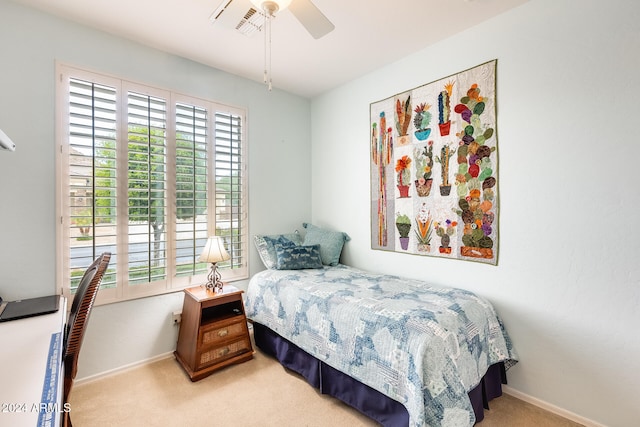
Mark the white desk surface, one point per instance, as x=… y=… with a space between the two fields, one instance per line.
x=24 y=357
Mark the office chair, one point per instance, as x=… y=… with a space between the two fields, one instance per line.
x=77 y=322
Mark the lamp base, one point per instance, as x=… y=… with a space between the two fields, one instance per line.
x=214 y=287
x=214 y=279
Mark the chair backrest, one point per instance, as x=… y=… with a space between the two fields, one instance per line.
x=79 y=316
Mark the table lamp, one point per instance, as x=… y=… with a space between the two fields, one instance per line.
x=214 y=252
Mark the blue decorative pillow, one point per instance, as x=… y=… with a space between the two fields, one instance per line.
x=293 y=257
x=331 y=242
x=265 y=246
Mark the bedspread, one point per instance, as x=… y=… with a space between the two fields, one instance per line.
x=424 y=346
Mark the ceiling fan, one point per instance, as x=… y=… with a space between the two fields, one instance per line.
x=249 y=16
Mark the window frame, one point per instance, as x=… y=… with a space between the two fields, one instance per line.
x=172 y=283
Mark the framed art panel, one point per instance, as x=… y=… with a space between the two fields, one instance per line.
x=434 y=168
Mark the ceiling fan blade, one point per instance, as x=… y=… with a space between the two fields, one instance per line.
x=311 y=18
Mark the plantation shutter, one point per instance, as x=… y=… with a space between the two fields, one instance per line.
x=147 y=187
x=229 y=175
x=146 y=174
x=92 y=177
x=191 y=188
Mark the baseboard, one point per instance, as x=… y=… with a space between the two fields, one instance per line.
x=550 y=408
x=122 y=369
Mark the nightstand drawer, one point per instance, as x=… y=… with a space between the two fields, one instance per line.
x=222 y=331
x=226 y=351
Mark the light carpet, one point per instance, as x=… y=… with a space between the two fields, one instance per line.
x=257 y=393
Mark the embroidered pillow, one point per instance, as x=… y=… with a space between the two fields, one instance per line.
x=331 y=242
x=294 y=257
x=265 y=246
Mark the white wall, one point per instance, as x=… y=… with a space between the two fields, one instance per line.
x=30 y=43
x=567 y=282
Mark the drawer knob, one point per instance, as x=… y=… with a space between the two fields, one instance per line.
x=223 y=332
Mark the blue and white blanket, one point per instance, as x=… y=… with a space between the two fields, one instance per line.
x=424 y=346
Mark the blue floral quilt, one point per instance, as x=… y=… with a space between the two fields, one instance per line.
x=424 y=346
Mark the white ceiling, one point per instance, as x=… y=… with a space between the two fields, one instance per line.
x=368 y=34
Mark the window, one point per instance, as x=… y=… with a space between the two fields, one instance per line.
x=146 y=174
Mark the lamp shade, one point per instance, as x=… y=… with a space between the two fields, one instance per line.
x=214 y=250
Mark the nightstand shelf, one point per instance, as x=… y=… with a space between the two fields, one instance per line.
x=213 y=331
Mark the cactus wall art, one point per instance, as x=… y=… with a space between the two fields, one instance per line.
x=459 y=159
x=403 y=118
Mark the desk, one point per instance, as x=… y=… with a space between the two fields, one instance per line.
x=31 y=377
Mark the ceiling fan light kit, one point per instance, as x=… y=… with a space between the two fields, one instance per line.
x=271 y=6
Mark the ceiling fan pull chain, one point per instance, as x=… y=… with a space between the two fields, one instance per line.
x=270 y=19
x=266 y=26
x=269 y=9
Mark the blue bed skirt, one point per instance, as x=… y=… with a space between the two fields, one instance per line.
x=370 y=402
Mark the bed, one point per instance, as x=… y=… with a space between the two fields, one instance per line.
x=398 y=350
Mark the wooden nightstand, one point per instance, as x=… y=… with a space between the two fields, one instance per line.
x=213 y=331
